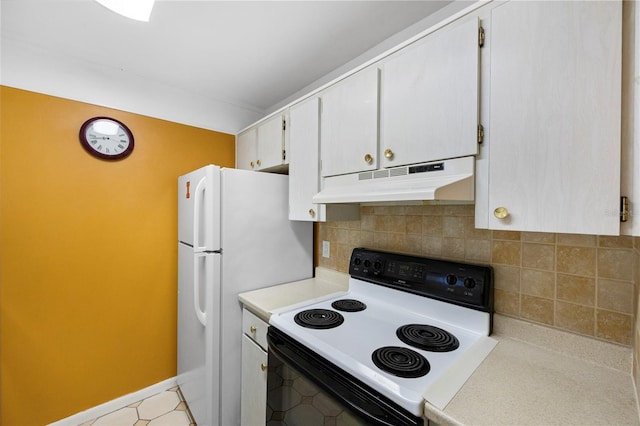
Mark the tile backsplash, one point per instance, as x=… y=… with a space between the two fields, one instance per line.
x=579 y=283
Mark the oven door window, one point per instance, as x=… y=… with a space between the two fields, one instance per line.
x=305 y=389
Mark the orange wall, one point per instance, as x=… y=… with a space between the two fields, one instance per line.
x=87 y=255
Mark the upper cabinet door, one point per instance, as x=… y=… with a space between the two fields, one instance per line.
x=554 y=137
x=271 y=143
x=349 y=125
x=246 y=149
x=429 y=99
x=304 y=164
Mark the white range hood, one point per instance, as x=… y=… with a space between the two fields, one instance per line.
x=447 y=180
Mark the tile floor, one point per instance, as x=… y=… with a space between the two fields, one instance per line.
x=164 y=409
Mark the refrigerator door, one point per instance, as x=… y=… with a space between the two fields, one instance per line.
x=260 y=248
x=199 y=331
x=199 y=209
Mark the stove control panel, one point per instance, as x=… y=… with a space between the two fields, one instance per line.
x=460 y=283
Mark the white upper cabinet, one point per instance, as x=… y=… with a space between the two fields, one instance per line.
x=429 y=97
x=304 y=168
x=247 y=149
x=263 y=147
x=349 y=124
x=304 y=164
x=555 y=108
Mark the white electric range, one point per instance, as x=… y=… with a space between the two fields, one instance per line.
x=409 y=330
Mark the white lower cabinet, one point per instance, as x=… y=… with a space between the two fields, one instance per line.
x=253 y=405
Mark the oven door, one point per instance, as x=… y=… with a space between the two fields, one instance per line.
x=303 y=386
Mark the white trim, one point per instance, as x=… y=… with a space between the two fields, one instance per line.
x=116 y=404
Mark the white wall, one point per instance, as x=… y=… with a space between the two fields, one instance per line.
x=34 y=69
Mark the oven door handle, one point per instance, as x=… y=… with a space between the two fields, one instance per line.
x=370 y=405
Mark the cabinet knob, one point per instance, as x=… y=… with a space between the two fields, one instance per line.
x=368 y=159
x=312 y=212
x=388 y=153
x=252 y=329
x=263 y=366
x=501 y=212
x=258 y=163
x=251 y=164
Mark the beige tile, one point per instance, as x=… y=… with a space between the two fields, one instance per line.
x=158 y=405
x=382 y=223
x=353 y=237
x=453 y=226
x=536 y=309
x=576 y=240
x=123 y=417
x=343 y=235
x=576 y=260
x=414 y=224
x=615 y=295
x=507 y=302
x=477 y=250
x=571 y=288
x=615 y=242
x=506 y=278
x=538 y=283
x=366 y=239
x=397 y=242
x=398 y=224
x=367 y=223
x=142 y=423
x=381 y=240
x=506 y=235
x=614 y=326
x=414 y=244
x=453 y=248
x=615 y=263
x=432 y=225
x=432 y=246
x=366 y=210
x=457 y=210
x=506 y=252
x=433 y=210
x=471 y=232
x=343 y=257
x=174 y=418
x=414 y=210
x=538 y=256
x=538 y=237
x=577 y=318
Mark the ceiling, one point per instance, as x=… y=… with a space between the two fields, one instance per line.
x=252 y=54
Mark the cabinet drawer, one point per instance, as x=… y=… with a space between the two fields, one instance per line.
x=255 y=328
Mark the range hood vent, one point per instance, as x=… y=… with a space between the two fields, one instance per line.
x=447 y=180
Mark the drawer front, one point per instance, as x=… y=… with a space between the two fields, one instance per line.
x=255 y=328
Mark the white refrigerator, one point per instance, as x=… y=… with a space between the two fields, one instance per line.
x=233 y=236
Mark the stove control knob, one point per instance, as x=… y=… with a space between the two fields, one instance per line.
x=452 y=279
x=357 y=261
x=377 y=265
x=367 y=263
x=469 y=282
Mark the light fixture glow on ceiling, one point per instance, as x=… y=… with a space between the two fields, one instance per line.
x=140 y=10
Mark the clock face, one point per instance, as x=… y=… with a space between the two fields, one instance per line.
x=106 y=138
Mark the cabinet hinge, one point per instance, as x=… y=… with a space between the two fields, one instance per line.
x=480 y=36
x=284 y=124
x=480 y=133
x=284 y=155
x=624 y=209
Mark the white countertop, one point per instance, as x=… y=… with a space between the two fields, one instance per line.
x=535 y=375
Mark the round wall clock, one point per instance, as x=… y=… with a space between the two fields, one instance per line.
x=106 y=138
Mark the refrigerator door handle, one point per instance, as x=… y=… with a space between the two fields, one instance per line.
x=200 y=314
x=198 y=197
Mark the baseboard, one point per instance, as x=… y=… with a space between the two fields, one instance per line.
x=116 y=404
